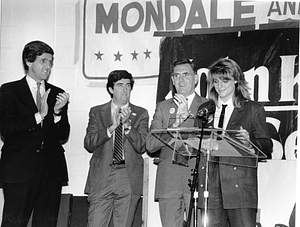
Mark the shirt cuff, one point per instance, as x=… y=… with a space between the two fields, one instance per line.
x=108 y=133
x=38 y=118
x=56 y=118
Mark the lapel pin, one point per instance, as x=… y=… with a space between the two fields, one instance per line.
x=172 y=110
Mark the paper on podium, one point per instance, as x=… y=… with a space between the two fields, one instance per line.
x=185 y=144
x=218 y=148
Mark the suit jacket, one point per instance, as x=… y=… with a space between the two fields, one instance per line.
x=96 y=141
x=30 y=148
x=238 y=181
x=171 y=179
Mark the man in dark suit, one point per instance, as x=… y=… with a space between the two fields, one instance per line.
x=33 y=122
x=172 y=190
x=115 y=183
x=233 y=190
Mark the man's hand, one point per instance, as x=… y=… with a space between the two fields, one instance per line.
x=61 y=100
x=117 y=115
x=125 y=114
x=44 y=104
x=182 y=111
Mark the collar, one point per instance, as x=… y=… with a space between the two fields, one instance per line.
x=229 y=103
x=190 y=99
x=114 y=107
x=32 y=83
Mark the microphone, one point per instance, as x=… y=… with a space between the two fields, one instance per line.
x=206 y=109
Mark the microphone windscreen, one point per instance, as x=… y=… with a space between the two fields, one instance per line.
x=206 y=108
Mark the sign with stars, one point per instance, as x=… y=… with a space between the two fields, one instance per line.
x=127 y=34
x=116 y=37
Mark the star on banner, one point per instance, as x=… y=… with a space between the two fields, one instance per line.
x=147 y=54
x=118 y=56
x=99 y=55
x=134 y=55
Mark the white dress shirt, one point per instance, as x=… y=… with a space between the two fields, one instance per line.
x=228 y=111
x=33 y=89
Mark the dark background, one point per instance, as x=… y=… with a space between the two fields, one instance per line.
x=249 y=49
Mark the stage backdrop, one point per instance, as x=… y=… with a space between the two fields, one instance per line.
x=145 y=37
x=269 y=59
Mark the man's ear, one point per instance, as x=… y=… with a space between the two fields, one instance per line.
x=28 y=63
x=196 y=78
x=111 y=90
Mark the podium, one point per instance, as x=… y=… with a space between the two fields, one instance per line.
x=185 y=143
x=192 y=142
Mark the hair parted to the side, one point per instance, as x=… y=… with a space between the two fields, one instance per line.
x=115 y=76
x=223 y=68
x=185 y=61
x=34 y=49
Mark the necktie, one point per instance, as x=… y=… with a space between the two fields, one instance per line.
x=118 y=144
x=38 y=96
x=221 y=119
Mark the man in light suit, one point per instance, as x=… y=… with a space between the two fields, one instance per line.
x=114 y=187
x=33 y=166
x=172 y=190
x=233 y=189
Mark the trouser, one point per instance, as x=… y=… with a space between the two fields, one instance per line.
x=114 y=202
x=39 y=197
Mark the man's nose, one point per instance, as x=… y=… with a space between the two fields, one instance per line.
x=181 y=79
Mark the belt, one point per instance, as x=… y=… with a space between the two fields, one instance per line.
x=116 y=163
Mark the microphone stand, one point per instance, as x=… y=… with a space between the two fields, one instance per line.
x=194 y=182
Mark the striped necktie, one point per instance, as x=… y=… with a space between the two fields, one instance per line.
x=118 y=143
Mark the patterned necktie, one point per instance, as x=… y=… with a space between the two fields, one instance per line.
x=221 y=119
x=38 y=96
x=118 y=144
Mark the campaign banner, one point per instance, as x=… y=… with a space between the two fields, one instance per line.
x=145 y=37
x=126 y=34
x=270 y=62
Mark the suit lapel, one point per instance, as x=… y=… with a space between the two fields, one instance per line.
x=195 y=104
x=25 y=95
x=134 y=113
x=172 y=113
x=106 y=114
x=235 y=119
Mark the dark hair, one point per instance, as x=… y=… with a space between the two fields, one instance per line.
x=117 y=75
x=226 y=67
x=185 y=61
x=34 y=49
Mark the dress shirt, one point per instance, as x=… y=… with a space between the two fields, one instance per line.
x=33 y=89
x=114 y=108
x=228 y=111
x=190 y=99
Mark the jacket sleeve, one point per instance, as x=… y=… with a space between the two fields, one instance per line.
x=259 y=132
x=138 y=133
x=96 y=133
x=63 y=125
x=154 y=142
